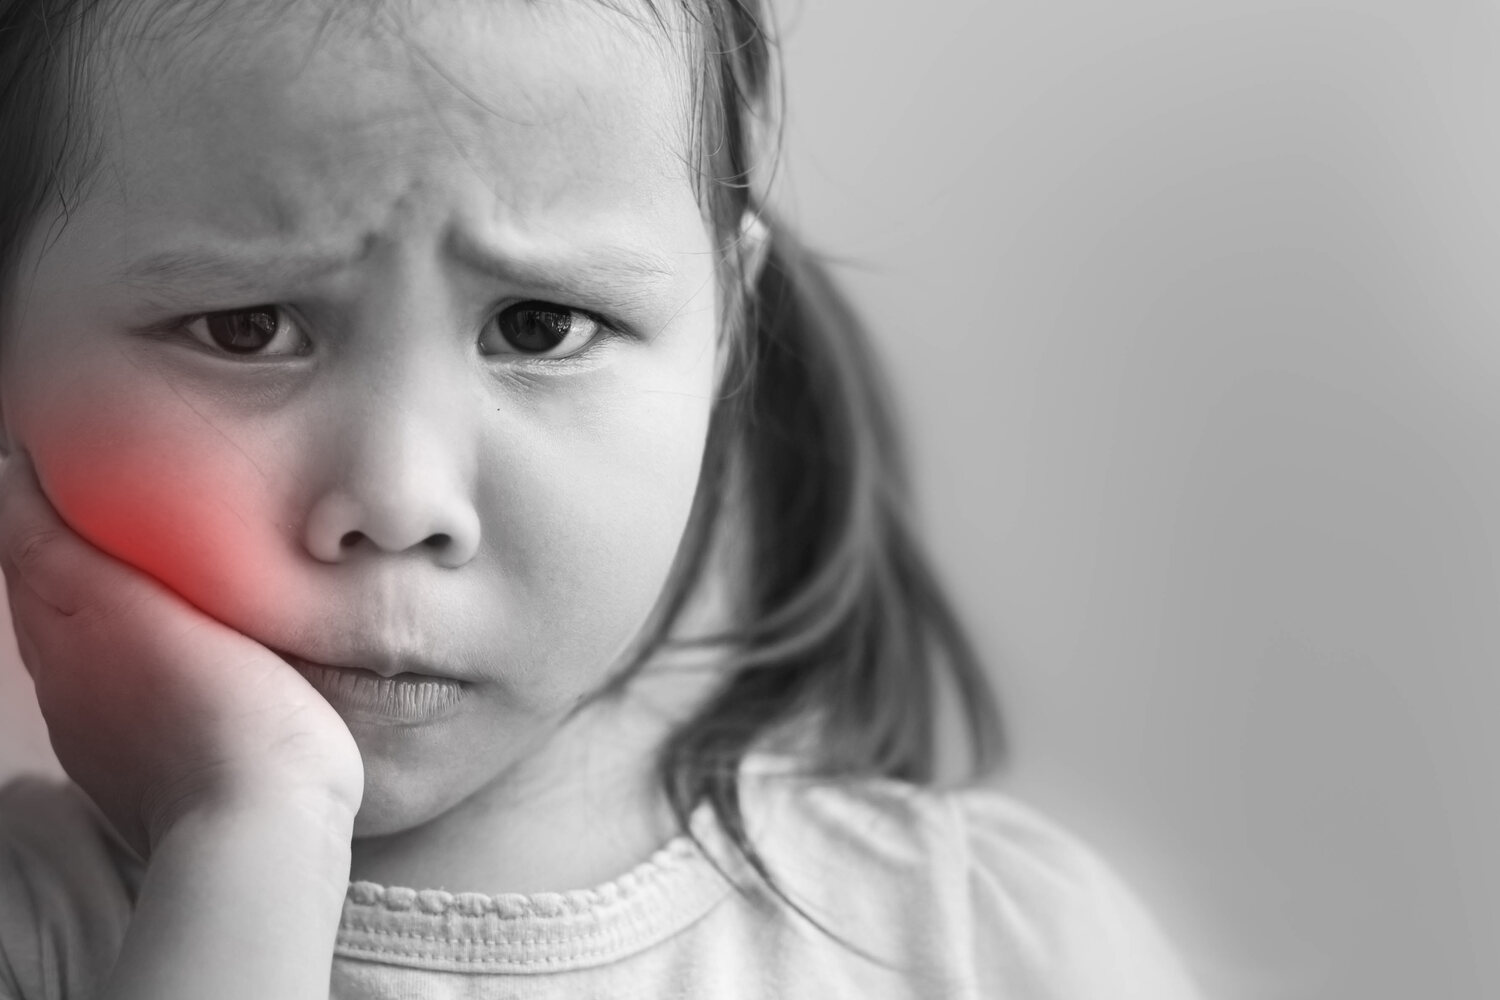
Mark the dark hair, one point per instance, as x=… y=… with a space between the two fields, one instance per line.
x=845 y=624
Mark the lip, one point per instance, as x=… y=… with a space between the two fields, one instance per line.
x=372 y=660
x=400 y=697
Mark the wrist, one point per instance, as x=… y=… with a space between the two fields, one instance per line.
x=301 y=838
x=240 y=898
x=293 y=805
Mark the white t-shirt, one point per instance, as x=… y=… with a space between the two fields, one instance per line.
x=962 y=894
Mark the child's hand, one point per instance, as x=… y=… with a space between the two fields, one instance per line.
x=154 y=708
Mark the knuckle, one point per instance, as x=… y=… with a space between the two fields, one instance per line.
x=31 y=545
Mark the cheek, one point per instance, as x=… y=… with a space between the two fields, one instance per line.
x=588 y=516
x=149 y=480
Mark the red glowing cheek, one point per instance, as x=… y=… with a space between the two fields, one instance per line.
x=159 y=486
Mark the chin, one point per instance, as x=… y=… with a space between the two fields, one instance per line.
x=413 y=777
x=395 y=802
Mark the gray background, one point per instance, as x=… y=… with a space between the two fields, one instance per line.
x=1191 y=310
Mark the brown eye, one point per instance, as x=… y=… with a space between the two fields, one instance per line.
x=543 y=328
x=248 y=331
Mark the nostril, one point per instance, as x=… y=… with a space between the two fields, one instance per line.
x=439 y=540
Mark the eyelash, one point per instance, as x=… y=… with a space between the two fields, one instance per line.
x=606 y=329
x=185 y=328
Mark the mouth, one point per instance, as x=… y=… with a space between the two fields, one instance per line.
x=401 y=698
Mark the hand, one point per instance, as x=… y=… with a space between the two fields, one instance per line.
x=154 y=708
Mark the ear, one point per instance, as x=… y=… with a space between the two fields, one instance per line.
x=752 y=248
x=755 y=245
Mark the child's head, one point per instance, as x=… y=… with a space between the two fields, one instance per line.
x=432 y=336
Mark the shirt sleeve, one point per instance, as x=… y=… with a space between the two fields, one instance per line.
x=1050 y=920
x=67 y=886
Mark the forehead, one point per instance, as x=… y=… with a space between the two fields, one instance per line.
x=281 y=115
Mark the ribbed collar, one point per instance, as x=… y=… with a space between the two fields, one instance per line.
x=541 y=932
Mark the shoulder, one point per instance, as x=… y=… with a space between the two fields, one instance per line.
x=67 y=885
x=994 y=888
x=1031 y=880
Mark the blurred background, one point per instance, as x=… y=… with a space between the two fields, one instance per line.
x=1192 y=310
x=1190 y=307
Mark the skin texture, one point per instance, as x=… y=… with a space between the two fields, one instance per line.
x=393 y=481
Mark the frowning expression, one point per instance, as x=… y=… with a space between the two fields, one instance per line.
x=391 y=345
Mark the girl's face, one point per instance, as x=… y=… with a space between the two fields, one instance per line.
x=391 y=345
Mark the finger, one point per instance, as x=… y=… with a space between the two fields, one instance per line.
x=39 y=550
x=108 y=602
x=70 y=595
x=32 y=542
x=44 y=636
x=36 y=625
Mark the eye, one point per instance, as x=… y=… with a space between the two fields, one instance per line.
x=259 y=330
x=539 y=329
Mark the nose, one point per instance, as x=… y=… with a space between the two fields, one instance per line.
x=341 y=525
x=399 y=479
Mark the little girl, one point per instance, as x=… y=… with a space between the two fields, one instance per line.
x=458 y=538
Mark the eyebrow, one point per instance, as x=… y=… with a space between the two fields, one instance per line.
x=216 y=273
x=627 y=274
x=622 y=272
